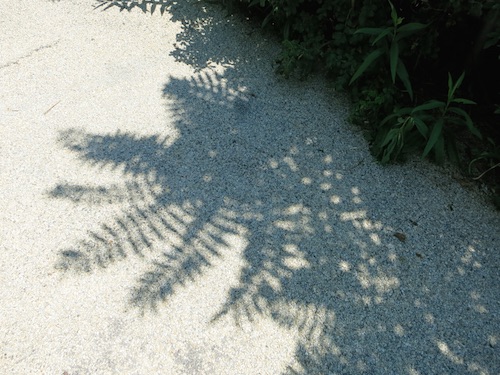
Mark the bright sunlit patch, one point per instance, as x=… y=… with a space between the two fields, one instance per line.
x=481 y=309
x=323 y=215
x=353 y=215
x=429 y=318
x=399 y=330
x=285 y=225
x=328 y=159
x=375 y=239
x=291 y=163
x=325 y=186
x=273 y=164
x=306 y=181
x=294 y=209
x=444 y=349
x=475 y=295
x=296 y=263
x=335 y=199
x=344 y=266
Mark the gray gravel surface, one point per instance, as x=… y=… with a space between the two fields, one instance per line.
x=168 y=205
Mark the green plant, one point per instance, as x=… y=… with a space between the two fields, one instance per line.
x=389 y=41
x=435 y=121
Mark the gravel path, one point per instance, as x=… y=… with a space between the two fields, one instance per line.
x=168 y=205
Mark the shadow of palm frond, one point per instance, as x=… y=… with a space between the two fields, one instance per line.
x=144 y=5
x=249 y=162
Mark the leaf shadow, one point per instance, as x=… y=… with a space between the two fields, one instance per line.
x=250 y=162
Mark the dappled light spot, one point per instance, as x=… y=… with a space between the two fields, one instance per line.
x=481 y=309
x=399 y=330
x=306 y=181
x=381 y=282
x=412 y=371
x=325 y=186
x=445 y=350
x=375 y=239
x=344 y=266
x=323 y=215
x=429 y=318
x=291 y=163
x=335 y=199
x=353 y=215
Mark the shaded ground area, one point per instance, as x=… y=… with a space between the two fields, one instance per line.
x=355 y=268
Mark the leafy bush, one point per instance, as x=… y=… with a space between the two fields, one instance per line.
x=392 y=58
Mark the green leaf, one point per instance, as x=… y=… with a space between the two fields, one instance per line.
x=467 y=120
x=368 y=61
x=453 y=87
x=391 y=134
x=404 y=77
x=394 y=15
x=433 y=138
x=439 y=150
x=451 y=147
x=382 y=35
x=389 y=117
x=409 y=29
x=463 y=101
x=393 y=59
x=421 y=127
x=412 y=27
x=431 y=104
x=267 y=19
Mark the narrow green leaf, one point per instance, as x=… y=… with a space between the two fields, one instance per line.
x=459 y=82
x=411 y=28
x=467 y=120
x=451 y=150
x=404 y=77
x=388 y=118
x=393 y=59
x=450 y=87
x=267 y=19
x=431 y=104
x=382 y=35
x=463 y=101
x=439 y=150
x=391 y=134
x=368 y=61
x=421 y=127
x=433 y=138
x=394 y=15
